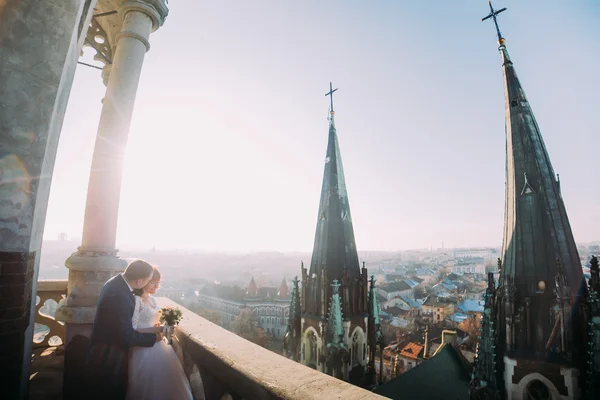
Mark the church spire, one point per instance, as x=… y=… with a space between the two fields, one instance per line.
x=292 y=338
x=536 y=227
x=538 y=317
x=334 y=248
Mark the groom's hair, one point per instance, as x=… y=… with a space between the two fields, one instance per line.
x=138 y=269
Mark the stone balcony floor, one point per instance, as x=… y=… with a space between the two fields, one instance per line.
x=46 y=376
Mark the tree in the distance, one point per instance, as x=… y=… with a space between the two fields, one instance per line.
x=211 y=315
x=245 y=326
x=472 y=326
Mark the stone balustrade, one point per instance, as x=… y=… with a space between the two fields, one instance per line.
x=49 y=293
x=219 y=362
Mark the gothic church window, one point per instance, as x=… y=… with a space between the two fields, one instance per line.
x=536 y=390
x=355 y=349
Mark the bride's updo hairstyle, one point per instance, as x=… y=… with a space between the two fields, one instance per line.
x=155 y=276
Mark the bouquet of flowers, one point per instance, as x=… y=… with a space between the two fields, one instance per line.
x=170 y=316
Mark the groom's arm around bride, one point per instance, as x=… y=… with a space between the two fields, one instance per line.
x=113 y=334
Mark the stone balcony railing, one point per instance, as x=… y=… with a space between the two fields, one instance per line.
x=49 y=332
x=219 y=362
x=216 y=361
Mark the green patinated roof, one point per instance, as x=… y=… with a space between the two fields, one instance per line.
x=334 y=247
x=335 y=330
x=445 y=377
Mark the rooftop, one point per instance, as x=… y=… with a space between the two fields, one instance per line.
x=395 y=286
x=412 y=350
x=451 y=373
x=471 y=306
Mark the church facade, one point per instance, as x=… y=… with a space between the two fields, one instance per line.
x=334 y=316
x=540 y=336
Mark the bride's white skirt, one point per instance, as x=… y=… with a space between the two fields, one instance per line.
x=155 y=373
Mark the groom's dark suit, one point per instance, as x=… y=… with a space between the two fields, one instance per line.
x=112 y=337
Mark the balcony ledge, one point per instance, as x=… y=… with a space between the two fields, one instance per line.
x=230 y=364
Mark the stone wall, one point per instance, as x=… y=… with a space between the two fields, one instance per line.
x=40 y=42
x=219 y=362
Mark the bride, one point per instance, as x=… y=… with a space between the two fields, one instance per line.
x=155 y=373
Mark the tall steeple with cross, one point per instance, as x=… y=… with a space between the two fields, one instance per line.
x=334 y=247
x=334 y=288
x=539 y=259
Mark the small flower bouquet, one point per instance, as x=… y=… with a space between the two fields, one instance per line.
x=170 y=316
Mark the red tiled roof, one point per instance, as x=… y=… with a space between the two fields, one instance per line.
x=411 y=350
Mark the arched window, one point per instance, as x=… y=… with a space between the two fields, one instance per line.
x=536 y=390
x=311 y=350
x=355 y=349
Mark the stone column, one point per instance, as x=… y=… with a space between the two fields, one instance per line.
x=40 y=42
x=96 y=259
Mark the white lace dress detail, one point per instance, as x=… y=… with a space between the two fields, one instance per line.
x=155 y=373
x=146 y=313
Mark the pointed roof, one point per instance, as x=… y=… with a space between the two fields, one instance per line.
x=283 y=290
x=294 y=323
x=537 y=232
x=334 y=247
x=252 y=289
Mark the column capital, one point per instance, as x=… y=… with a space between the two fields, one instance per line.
x=95 y=259
x=157 y=10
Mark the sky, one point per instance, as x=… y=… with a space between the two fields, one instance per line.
x=227 y=144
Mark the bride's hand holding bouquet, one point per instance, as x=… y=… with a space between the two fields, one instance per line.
x=171 y=317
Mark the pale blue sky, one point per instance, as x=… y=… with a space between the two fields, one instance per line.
x=227 y=145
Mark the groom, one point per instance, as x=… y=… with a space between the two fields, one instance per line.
x=113 y=334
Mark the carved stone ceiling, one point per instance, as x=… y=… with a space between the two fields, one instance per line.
x=102 y=31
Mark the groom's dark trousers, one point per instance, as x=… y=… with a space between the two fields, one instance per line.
x=112 y=337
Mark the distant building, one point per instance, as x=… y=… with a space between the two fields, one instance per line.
x=410 y=356
x=486 y=254
x=395 y=289
x=269 y=305
x=436 y=309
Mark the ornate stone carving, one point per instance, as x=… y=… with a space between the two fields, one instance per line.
x=49 y=291
x=98 y=39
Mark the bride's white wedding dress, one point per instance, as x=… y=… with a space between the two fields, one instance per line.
x=155 y=373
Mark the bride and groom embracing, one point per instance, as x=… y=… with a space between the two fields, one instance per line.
x=127 y=358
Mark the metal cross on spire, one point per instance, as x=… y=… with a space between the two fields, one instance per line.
x=493 y=14
x=330 y=94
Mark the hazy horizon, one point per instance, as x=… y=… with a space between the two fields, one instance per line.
x=227 y=146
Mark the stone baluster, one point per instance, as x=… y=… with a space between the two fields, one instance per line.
x=96 y=259
x=54 y=290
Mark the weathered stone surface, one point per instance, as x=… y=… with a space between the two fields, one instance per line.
x=228 y=363
x=39 y=48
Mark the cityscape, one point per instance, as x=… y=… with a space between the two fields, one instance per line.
x=434 y=289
